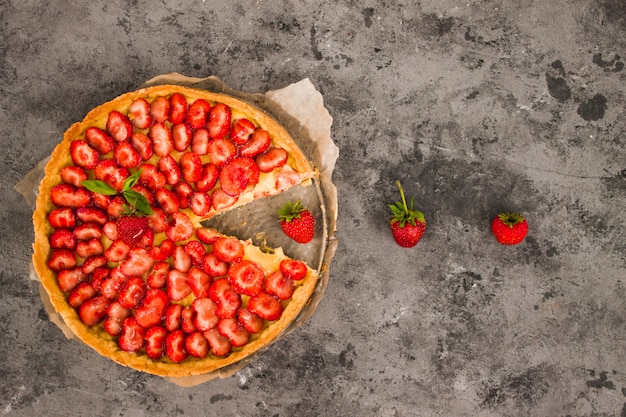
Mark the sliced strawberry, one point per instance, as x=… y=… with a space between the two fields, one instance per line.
x=228 y=249
x=238 y=174
x=157 y=220
x=200 y=141
x=155 y=342
x=94 y=310
x=160 y=109
x=115 y=316
x=265 y=306
x=152 y=309
x=132 y=335
x=132 y=292
x=138 y=263
x=98 y=276
x=65 y=195
x=241 y=130
x=139 y=113
x=251 y=322
x=145 y=192
x=61 y=259
x=286 y=179
x=258 y=143
x=177 y=285
x=221 y=200
x=87 y=248
x=220 y=345
x=183 y=191
x=293 y=269
x=207 y=235
x=178 y=108
x=92 y=215
x=112 y=326
x=163 y=251
x=92 y=263
x=161 y=137
x=170 y=168
x=271 y=159
x=186 y=320
x=182 y=260
x=234 y=331
x=157 y=278
x=110 y=286
x=213 y=266
x=205 y=317
x=84 y=155
x=168 y=200
x=180 y=228
x=119 y=126
x=117 y=207
x=117 y=251
x=208 y=177
x=143 y=145
x=73 y=175
x=196 y=250
x=191 y=166
x=219 y=120
x=197 y=113
x=68 y=279
x=227 y=300
x=63 y=217
x=88 y=231
x=199 y=281
x=182 y=136
x=151 y=177
x=99 y=140
x=62 y=239
x=196 y=345
x=246 y=277
x=126 y=155
x=101 y=201
x=221 y=151
x=175 y=346
x=279 y=285
x=200 y=203
x=147 y=240
x=173 y=314
x=108 y=171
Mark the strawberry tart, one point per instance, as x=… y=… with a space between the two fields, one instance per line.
x=120 y=248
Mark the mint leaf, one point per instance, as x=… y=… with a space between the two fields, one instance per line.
x=131 y=180
x=138 y=201
x=99 y=187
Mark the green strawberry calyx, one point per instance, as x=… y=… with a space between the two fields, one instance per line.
x=510 y=219
x=402 y=213
x=136 y=201
x=290 y=211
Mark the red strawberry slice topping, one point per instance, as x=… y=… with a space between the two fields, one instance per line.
x=65 y=195
x=142 y=144
x=115 y=316
x=191 y=166
x=62 y=239
x=220 y=345
x=118 y=251
x=175 y=346
x=110 y=286
x=213 y=266
x=119 y=126
x=279 y=285
x=221 y=151
x=222 y=200
x=251 y=322
x=234 y=331
x=182 y=260
x=99 y=140
x=125 y=155
x=197 y=113
x=101 y=201
x=138 y=263
x=139 y=113
x=157 y=220
x=163 y=251
x=196 y=345
x=200 y=141
x=219 y=121
x=63 y=217
x=84 y=155
x=151 y=177
x=258 y=143
x=241 y=130
x=98 y=276
x=196 y=250
x=265 y=306
x=68 y=279
x=108 y=171
x=87 y=231
x=293 y=269
x=130 y=229
x=173 y=314
x=168 y=200
x=207 y=235
x=180 y=228
x=271 y=159
x=92 y=215
x=170 y=168
x=87 y=248
x=228 y=249
x=152 y=309
x=183 y=191
x=246 y=277
x=157 y=278
x=161 y=137
x=132 y=292
x=208 y=177
x=61 y=259
x=238 y=174
x=177 y=286
x=178 y=108
x=227 y=300
x=199 y=281
x=205 y=317
x=92 y=263
x=200 y=203
x=117 y=207
x=182 y=136
x=186 y=320
x=132 y=335
x=94 y=310
x=160 y=109
x=73 y=175
x=155 y=342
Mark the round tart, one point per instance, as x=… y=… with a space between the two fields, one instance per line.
x=119 y=244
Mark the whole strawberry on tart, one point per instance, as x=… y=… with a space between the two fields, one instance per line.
x=119 y=245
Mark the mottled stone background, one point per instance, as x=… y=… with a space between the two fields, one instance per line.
x=476 y=106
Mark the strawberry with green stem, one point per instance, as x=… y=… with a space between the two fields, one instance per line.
x=297 y=222
x=509 y=228
x=407 y=224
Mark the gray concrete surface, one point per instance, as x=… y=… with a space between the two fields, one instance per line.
x=477 y=106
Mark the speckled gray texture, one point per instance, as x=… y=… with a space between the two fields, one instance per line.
x=476 y=106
